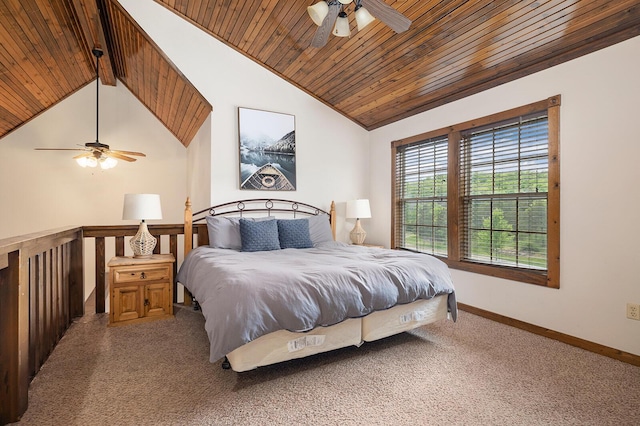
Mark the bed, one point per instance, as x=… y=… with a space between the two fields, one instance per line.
x=273 y=283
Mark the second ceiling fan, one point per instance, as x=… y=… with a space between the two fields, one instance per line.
x=96 y=153
x=330 y=16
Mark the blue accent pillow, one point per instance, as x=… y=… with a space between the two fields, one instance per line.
x=259 y=236
x=294 y=233
x=224 y=232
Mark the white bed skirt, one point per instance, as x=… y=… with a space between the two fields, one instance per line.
x=285 y=345
x=380 y=324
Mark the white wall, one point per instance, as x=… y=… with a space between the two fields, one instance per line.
x=46 y=189
x=43 y=190
x=599 y=149
x=331 y=151
x=199 y=167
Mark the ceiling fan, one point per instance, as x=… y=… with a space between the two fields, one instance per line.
x=330 y=16
x=94 y=153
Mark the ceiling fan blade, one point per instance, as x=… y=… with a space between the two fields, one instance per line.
x=391 y=17
x=140 y=154
x=86 y=154
x=118 y=156
x=322 y=33
x=59 y=149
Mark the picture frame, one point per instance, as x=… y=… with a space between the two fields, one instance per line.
x=267 y=145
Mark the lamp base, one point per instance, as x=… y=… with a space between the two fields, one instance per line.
x=357 y=234
x=143 y=243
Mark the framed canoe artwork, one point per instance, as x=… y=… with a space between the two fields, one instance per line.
x=267 y=150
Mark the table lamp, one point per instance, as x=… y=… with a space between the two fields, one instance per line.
x=142 y=207
x=358 y=209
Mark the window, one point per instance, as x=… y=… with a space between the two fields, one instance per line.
x=484 y=195
x=503 y=181
x=422 y=195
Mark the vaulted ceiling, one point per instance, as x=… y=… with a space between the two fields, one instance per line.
x=452 y=49
x=46 y=55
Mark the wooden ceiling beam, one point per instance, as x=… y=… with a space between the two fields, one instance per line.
x=93 y=36
x=151 y=76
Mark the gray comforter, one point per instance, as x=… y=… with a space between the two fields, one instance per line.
x=245 y=295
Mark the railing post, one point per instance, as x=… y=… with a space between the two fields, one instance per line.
x=100 y=275
x=76 y=277
x=14 y=335
x=173 y=248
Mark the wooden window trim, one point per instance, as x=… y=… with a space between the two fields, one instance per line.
x=549 y=278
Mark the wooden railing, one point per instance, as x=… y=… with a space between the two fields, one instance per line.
x=41 y=291
x=100 y=233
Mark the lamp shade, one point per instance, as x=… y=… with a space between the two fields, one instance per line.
x=342 y=26
x=141 y=207
x=318 y=12
x=363 y=17
x=358 y=209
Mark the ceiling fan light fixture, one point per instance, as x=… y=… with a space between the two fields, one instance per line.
x=318 y=12
x=82 y=161
x=91 y=162
x=345 y=1
x=342 y=26
x=363 y=17
x=108 y=163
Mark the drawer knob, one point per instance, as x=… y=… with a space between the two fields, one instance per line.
x=143 y=275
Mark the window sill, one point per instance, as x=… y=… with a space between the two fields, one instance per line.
x=526 y=276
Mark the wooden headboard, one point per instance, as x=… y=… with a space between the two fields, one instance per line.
x=248 y=208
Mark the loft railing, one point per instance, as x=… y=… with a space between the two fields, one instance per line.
x=41 y=291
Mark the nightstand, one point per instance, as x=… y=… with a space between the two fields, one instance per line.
x=141 y=290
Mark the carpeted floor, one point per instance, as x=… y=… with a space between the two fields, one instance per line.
x=473 y=372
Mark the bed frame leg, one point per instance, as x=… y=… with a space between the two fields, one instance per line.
x=226 y=365
x=196 y=305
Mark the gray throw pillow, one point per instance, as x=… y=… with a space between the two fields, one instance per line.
x=224 y=232
x=320 y=229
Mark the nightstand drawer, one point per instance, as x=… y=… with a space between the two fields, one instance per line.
x=142 y=274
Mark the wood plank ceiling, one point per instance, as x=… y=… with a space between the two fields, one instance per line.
x=45 y=56
x=453 y=49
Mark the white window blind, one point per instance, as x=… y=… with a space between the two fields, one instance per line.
x=504 y=171
x=421 y=196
